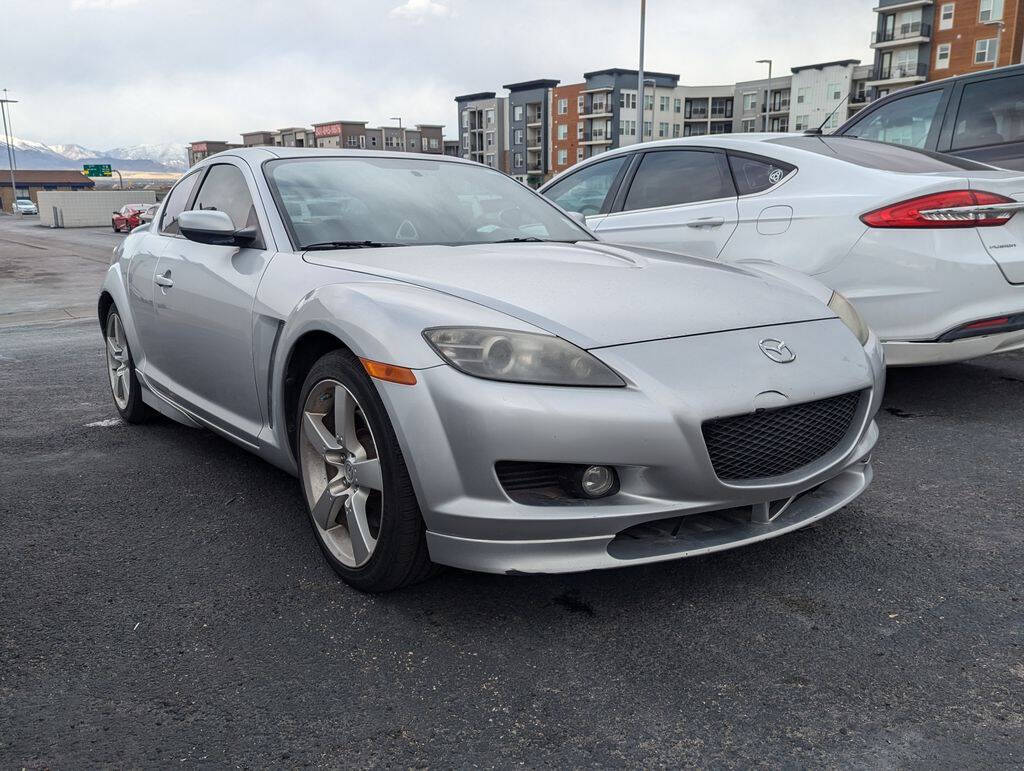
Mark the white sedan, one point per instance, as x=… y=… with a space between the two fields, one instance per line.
x=928 y=247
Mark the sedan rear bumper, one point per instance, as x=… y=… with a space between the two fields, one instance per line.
x=910 y=354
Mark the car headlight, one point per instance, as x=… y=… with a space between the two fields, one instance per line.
x=840 y=306
x=519 y=357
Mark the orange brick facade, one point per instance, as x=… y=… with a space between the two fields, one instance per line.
x=569 y=119
x=967 y=30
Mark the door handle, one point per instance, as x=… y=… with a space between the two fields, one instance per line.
x=706 y=222
x=164 y=280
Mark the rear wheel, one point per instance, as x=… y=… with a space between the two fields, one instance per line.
x=124 y=384
x=362 y=507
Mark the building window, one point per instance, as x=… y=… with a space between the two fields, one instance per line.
x=434 y=143
x=517 y=112
x=946 y=16
x=834 y=92
x=490 y=139
x=465 y=142
x=749 y=102
x=563 y=131
x=579 y=104
x=353 y=141
x=990 y=10
x=647 y=128
x=518 y=160
x=489 y=160
x=489 y=116
x=579 y=130
x=801 y=122
x=803 y=95
x=662 y=130
x=563 y=157
x=627 y=100
x=663 y=104
x=649 y=102
x=563 y=106
x=942 y=56
x=465 y=119
x=517 y=137
x=677 y=105
x=675 y=130
x=985 y=51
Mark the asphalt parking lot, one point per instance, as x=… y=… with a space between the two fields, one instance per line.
x=162 y=600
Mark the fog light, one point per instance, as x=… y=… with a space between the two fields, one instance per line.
x=597 y=481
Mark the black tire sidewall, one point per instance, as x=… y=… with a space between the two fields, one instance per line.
x=137 y=411
x=401 y=522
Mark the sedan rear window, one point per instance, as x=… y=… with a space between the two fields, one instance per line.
x=878 y=155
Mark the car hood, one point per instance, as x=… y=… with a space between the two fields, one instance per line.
x=592 y=294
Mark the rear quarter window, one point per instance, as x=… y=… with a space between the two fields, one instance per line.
x=991 y=112
x=756 y=174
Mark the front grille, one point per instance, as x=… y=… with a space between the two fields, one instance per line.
x=770 y=443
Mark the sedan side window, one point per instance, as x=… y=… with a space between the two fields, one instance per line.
x=991 y=113
x=669 y=178
x=905 y=121
x=176 y=201
x=585 y=191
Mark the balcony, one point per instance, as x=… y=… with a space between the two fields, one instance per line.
x=899 y=73
x=597 y=109
x=859 y=96
x=596 y=137
x=905 y=34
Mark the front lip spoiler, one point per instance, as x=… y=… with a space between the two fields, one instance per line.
x=577 y=554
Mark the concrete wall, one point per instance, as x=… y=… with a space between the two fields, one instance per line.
x=79 y=210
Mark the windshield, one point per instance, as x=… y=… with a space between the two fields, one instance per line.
x=359 y=201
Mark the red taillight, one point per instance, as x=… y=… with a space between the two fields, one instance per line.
x=952 y=209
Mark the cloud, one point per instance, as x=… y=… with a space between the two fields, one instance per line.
x=418 y=11
x=82 y=5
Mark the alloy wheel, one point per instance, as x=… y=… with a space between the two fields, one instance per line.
x=341 y=473
x=117 y=361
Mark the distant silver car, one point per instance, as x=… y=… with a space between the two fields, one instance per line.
x=460 y=374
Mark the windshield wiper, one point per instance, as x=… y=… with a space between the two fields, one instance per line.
x=348 y=245
x=529 y=239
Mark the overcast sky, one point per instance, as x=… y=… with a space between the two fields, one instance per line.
x=104 y=73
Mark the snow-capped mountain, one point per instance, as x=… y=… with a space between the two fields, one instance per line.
x=36 y=155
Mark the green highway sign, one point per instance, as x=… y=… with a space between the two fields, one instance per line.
x=96 y=169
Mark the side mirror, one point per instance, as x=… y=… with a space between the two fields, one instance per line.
x=580 y=217
x=213 y=227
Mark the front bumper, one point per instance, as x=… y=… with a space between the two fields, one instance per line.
x=454 y=428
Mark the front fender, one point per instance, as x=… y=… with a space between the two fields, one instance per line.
x=811 y=286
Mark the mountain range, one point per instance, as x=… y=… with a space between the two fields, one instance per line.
x=36 y=155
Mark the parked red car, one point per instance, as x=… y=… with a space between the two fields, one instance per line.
x=127 y=217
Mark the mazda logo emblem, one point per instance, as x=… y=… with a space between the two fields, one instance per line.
x=776 y=350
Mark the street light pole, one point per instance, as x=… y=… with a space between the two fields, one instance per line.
x=767 y=101
x=10 y=150
x=10 y=122
x=640 y=77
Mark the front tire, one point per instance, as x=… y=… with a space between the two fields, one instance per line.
x=361 y=503
x=124 y=383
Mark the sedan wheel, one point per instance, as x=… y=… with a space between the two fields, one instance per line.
x=360 y=499
x=341 y=473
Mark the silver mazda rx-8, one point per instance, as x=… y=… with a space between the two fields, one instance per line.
x=460 y=374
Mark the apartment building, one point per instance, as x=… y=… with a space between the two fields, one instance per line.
x=860 y=92
x=762 y=105
x=902 y=42
x=529 y=122
x=483 y=128
x=705 y=110
x=607 y=107
x=975 y=35
x=565 y=126
x=820 y=93
x=451 y=147
x=204 y=148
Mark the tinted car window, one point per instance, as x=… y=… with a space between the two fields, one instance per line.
x=755 y=175
x=176 y=201
x=905 y=121
x=224 y=189
x=991 y=112
x=677 y=176
x=585 y=191
x=877 y=155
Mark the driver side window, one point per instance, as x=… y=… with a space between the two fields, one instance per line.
x=586 y=190
x=224 y=189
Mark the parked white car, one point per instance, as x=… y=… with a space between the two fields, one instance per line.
x=25 y=206
x=929 y=248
